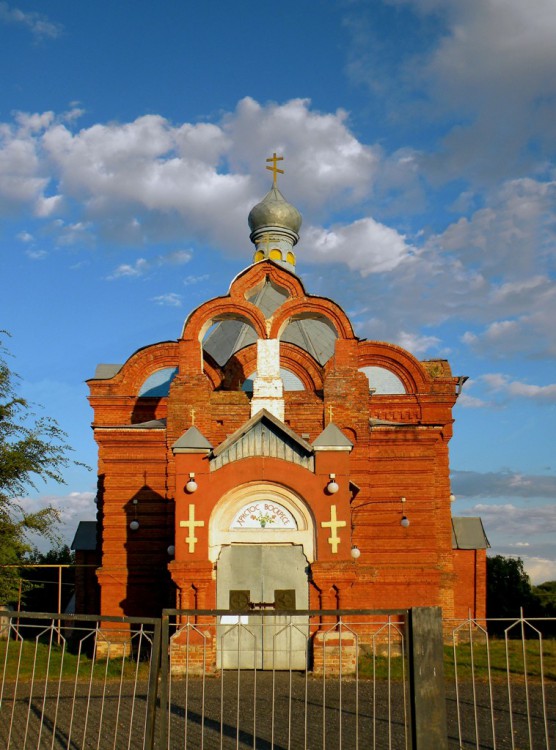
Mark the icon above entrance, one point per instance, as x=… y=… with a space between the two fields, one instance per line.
x=263 y=514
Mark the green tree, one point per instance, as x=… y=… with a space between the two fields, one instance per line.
x=32 y=448
x=546 y=593
x=508 y=591
x=42 y=582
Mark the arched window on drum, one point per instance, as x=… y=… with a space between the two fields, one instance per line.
x=157 y=385
x=290 y=380
x=382 y=381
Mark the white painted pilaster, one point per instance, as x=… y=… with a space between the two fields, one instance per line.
x=268 y=388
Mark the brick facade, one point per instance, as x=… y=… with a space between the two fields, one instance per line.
x=399 y=448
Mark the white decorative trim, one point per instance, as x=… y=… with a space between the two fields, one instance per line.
x=226 y=511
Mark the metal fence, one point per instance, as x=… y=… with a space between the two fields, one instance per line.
x=293 y=680
x=501 y=689
x=77 y=684
x=400 y=680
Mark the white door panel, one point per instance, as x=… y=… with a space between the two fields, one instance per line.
x=263 y=574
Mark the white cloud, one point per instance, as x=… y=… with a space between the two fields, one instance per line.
x=145 y=179
x=176 y=258
x=150 y=181
x=72 y=508
x=142 y=265
x=539 y=569
x=48 y=205
x=501 y=384
x=190 y=280
x=171 y=299
x=365 y=245
x=127 y=270
x=325 y=162
x=472 y=402
x=503 y=484
x=37 y=23
x=36 y=254
x=417 y=344
x=20 y=180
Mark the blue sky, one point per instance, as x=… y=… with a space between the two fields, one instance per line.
x=419 y=145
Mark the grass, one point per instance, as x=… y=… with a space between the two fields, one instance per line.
x=29 y=659
x=474 y=662
x=515 y=656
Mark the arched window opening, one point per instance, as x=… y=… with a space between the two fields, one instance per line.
x=317 y=336
x=225 y=337
x=290 y=380
x=157 y=385
x=383 y=381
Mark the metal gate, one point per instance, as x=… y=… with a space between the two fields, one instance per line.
x=374 y=680
x=255 y=577
x=351 y=691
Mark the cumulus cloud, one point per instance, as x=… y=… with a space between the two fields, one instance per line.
x=472 y=402
x=191 y=280
x=145 y=179
x=142 y=266
x=365 y=245
x=326 y=164
x=37 y=23
x=150 y=181
x=539 y=569
x=502 y=384
x=471 y=484
x=127 y=270
x=171 y=299
x=486 y=76
x=72 y=507
x=497 y=63
x=417 y=344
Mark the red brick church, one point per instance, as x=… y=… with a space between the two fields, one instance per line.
x=270 y=455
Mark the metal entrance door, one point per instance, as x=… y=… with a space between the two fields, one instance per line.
x=255 y=577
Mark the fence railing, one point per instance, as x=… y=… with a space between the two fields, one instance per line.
x=78 y=683
x=501 y=689
x=317 y=679
x=326 y=679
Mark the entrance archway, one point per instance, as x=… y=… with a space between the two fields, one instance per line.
x=261 y=538
x=281 y=517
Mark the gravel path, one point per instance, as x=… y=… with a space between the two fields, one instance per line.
x=113 y=716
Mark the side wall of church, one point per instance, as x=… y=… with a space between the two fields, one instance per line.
x=133 y=487
x=470 y=587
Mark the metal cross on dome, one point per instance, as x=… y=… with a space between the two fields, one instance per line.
x=190 y=524
x=334 y=540
x=274 y=168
